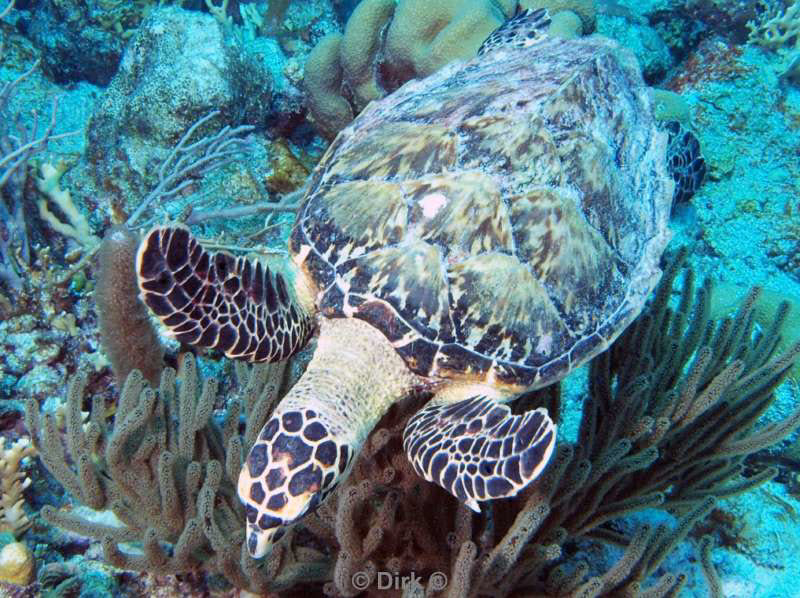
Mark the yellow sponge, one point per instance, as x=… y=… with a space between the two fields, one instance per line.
x=16 y=564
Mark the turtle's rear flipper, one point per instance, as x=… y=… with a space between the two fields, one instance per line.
x=685 y=163
x=218 y=301
x=476 y=449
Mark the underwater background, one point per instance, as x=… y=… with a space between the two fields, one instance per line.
x=117 y=115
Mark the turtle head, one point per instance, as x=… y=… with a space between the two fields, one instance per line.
x=295 y=463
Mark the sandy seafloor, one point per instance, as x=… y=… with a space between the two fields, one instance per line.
x=739 y=227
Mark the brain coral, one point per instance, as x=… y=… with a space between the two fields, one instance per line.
x=387 y=43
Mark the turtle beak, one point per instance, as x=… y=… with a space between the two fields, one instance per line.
x=260 y=542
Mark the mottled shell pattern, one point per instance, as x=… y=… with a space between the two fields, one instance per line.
x=500 y=220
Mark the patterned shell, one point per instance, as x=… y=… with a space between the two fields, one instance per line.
x=500 y=220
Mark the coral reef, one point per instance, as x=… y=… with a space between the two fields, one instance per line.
x=73 y=224
x=18 y=144
x=16 y=564
x=653 y=434
x=670 y=106
x=672 y=411
x=83 y=578
x=714 y=60
x=79 y=41
x=385 y=523
x=166 y=469
x=769 y=304
x=683 y=25
x=178 y=68
x=384 y=46
x=645 y=41
x=322 y=80
x=420 y=40
x=288 y=171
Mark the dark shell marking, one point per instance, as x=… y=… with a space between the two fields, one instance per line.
x=477 y=450
x=501 y=220
x=216 y=301
x=293 y=466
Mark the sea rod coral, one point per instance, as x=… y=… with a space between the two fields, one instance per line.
x=165 y=468
x=671 y=414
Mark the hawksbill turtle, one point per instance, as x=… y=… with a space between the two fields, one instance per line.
x=476 y=234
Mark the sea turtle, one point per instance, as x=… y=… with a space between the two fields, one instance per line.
x=475 y=234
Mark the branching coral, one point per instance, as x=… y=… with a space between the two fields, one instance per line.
x=671 y=413
x=74 y=224
x=776 y=27
x=12 y=482
x=166 y=468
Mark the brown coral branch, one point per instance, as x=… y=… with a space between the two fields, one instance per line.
x=159 y=469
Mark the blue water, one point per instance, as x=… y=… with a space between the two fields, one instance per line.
x=95 y=95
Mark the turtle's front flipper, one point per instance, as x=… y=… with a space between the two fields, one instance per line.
x=476 y=449
x=218 y=301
